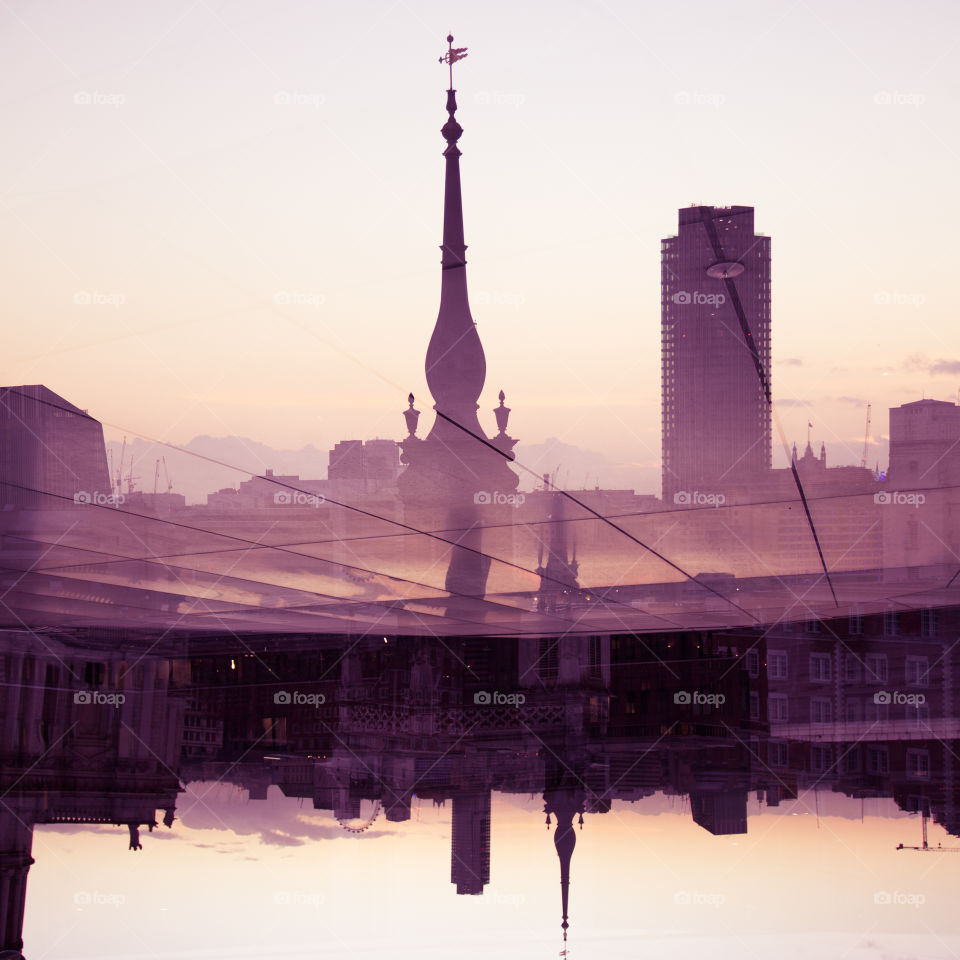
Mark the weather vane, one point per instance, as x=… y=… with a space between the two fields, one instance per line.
x=452 y=56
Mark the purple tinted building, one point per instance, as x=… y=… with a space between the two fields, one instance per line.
x=715 y=302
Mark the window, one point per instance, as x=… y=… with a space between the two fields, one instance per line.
x=820 y=667
x=821 y=758
x=918 y=671
x=918 y=763
x=929 y=623
x=876 y=712
x=854 y=710
x=855 y=623
x=778 y=753
x=753 y=663
x=852 y=672
x=877 y=667
x=891 y=623
x=918 y=716
x=777 y=665
x=777 y=706
x=813 y=626
x=821 y=710
x=754 y=706
x=878 y=761
x=851 y=760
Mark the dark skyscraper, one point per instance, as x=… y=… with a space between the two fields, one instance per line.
x=715 y=330
x=470 y=842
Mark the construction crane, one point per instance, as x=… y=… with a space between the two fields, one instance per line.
x=866 y=439
x=926 y=848
x=166 y=474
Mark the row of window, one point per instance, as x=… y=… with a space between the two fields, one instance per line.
x=824 y=757
x=855 y=709
x=870 y=668
x=929 y=624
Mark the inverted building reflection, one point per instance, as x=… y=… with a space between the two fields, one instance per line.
x=106 y=729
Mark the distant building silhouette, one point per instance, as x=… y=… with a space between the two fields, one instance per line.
x=715 y=299
x=470 y=845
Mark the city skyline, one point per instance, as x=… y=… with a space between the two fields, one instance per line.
x=196 y=347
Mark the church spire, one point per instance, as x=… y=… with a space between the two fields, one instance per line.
x=456 y=366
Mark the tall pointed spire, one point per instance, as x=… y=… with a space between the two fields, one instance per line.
x=456 y=367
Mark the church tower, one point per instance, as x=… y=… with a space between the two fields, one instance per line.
x=453 y=477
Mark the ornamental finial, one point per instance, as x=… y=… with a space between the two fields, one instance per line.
x=452 y=56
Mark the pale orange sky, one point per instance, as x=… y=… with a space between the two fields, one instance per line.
x=211 y=891
x=189 y=167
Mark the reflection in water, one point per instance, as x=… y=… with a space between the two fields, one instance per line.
x=106 y=731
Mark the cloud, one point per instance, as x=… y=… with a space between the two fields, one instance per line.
x=941 y=367
x=794 y=403
x=853 y=401
x=790 y=362
x=945 y=367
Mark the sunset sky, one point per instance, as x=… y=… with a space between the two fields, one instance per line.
x=277 y=879
x=224 y=218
